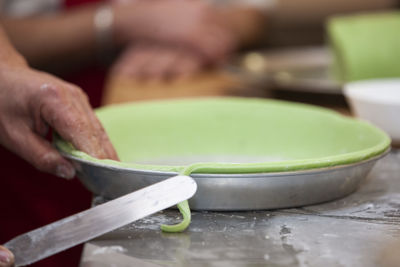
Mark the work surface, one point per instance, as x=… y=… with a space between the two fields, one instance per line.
x=359 y=230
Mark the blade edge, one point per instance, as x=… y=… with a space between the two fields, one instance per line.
x=34 y=245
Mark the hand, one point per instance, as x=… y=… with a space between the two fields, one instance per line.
x=30 y=103
x=6 y=257
x=156 y=62
x=189 y=24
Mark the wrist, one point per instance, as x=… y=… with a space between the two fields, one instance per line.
x=246 y=25
x=9 y=57
x=14 y=61
x=103 y=23
x=119 y=25
x=128 y=22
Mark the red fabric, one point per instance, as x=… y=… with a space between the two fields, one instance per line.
x=71 y=3
x=91 y=80
x=30 y=199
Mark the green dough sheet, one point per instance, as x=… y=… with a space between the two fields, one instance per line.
x=269 y=135
x=365 y=46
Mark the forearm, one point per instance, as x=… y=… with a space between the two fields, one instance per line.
x=71 y=37
x=60 y=37
x=247 y=24
x=8 y=55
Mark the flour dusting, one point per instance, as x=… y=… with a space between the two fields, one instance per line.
x=110 y=249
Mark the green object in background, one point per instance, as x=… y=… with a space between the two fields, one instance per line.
x=263 y=135
x=365 y=46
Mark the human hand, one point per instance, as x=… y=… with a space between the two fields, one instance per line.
x=30 y=103
x=156 y=62
x=6 y=257
x=189 y=24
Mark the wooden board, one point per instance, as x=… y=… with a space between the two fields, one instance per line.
x=121 y=89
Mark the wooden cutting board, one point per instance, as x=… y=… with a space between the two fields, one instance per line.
x=121 y=89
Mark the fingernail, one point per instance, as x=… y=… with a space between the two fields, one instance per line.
x=65 y=171
x=5 y=257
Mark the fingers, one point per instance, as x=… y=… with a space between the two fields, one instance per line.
x=157 y=62
x=65 y=108
x=37 y=151
x=6 y=257
x=34 y=101
x=161 y=65
x=199 y=28
x=214 y=43
x=134 y=61
x=45 y=158
x=110 y=152
x=187 y=65
x=210 y=35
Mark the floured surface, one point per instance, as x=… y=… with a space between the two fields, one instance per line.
x=353 y=231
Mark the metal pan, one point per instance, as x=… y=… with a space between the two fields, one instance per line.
x=303 y=69
x=227 y=192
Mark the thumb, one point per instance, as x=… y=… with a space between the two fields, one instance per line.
x=39 y=152
x=6 y=257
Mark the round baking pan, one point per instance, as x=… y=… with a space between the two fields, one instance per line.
x=229 y=192
x=245 y=154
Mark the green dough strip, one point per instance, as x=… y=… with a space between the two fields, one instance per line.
x=184 y=209
x=180 y=227
x=365 y=46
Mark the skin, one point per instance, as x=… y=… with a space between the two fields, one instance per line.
x=69 y=37
x=6 y=257
x=157 y=60
x=161 y=41
x=31 y=102
x=199 y=28
x=247 y=26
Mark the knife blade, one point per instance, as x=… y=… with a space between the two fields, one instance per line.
x=84 y=226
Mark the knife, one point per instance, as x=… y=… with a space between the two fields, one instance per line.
x=84 y=226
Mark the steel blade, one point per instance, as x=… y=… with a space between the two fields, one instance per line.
x=84 y=226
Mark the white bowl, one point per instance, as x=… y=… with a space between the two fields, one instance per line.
x=377 y=101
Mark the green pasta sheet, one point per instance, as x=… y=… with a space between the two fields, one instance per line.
x=280 y=136
x=365 y=46
x=273 y=136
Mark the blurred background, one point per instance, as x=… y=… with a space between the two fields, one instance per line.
x=135 y=50
x=268 y=48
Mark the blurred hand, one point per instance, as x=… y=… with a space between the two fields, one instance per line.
x=145 y=61
x=6 y=257
x=189 y=24
x=30 y=103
